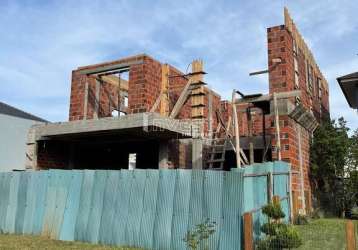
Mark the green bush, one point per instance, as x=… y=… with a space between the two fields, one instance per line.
x=301 y=220
x=200 y=233
x=278 y=235
x=354 y=213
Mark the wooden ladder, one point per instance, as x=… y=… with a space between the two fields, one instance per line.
x=219 y=145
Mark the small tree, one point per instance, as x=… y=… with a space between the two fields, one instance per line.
x=200 y=233
x=278 y=235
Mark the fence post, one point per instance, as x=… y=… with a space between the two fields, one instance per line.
x=276 y=199
x=295 y=204
x=350 y=236
x=269 y=186
x=248 y=232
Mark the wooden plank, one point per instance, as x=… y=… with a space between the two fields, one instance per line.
x=197 y=101
x=181 y=100
x=350 y=236
x=106 y=68
x=295 y=204
x=237 y=131
x=277 y=127
x=164 y=103
x=248 y=232
x=85 y=101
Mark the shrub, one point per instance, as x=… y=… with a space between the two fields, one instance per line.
x=354 y=213
x=301 y=220
x=200 y=233
x=278 y=235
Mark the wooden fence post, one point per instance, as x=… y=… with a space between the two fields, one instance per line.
x=295 y=204
x=248 y=232
x=350 y=236
x=276 y=199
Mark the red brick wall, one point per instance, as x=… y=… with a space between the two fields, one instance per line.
x=142 y=78
x=176 y=86
x=282 y=78
x=52 y=155
x=144 y=85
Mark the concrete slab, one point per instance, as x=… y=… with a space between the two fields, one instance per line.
x=141 y=124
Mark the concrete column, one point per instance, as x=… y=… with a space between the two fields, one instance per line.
x=163 y=154
x=197 y=153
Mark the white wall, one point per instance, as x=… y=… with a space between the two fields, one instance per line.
x=13 y=135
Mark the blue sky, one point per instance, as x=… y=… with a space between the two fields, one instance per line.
x=42 y=41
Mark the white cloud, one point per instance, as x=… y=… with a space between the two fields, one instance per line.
x=43 y=43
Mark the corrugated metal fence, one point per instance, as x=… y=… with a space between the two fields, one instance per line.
x=152 y=209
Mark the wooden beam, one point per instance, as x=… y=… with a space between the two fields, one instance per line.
x=164 y=98
x=181 y=100
x=277 y=126
x=350 y=236
x=106 y=68
x=248 y=232
x=236 y=130
x=85 y=101
x=300 y=156
x=269 y=97
x=197 y=98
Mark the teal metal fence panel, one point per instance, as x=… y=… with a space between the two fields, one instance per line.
x=149 y=209
x=94 y=219
x=4 y=192
x=12 y=204
x=109 y=202
x=50 y=205
x=121 y=211
x=231 y=211
x=281 y=185
x=181 y=208
x=41 y=188
x=63 y=184
x=21 y=202
x=163 y=221
x=135 y=211
x=84 y=207
x=153 y=209
x=30 y=203
x=72 y=206
x=212 y=207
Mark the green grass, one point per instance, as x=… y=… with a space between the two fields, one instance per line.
x=37 y=242
x=323 y=234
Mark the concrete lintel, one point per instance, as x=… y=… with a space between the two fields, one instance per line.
x=149 y=122
x=106 y=68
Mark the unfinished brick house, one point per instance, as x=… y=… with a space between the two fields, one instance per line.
x=139 y=112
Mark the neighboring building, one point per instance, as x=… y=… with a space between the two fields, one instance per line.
x=145 y=92
x=14 y=127
x=349 y=86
